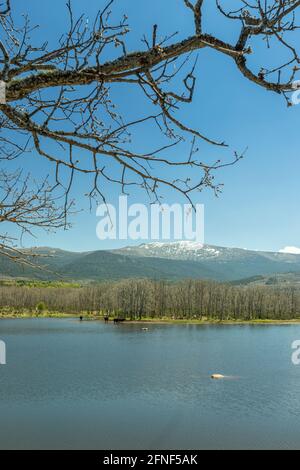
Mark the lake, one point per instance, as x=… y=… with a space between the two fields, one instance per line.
x=88 y=385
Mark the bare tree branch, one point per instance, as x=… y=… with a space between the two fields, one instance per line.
x=60 y=101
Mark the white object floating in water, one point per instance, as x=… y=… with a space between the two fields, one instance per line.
x=217 y=376
x=145 y=329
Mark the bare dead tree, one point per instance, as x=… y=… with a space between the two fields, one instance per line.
x=63 y=96
x=27 y=204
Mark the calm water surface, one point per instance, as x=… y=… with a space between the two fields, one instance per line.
x=88 y=385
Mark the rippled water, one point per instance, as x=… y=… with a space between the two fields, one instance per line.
x=88 y=385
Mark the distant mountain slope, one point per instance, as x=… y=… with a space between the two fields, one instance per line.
x=102 y=265
x=51 y=259
x=172 y=261
x=188 y=250
x=281 y=280
x=229 y=263
x=109 y=265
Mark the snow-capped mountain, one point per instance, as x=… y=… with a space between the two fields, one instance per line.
x=189 y=250
x=173 y=261
x=225 y=263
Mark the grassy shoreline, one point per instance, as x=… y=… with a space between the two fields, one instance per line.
x=162 y=321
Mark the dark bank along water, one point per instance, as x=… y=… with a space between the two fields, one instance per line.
x=71 y=385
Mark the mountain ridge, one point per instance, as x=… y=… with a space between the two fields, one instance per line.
x=172 y=261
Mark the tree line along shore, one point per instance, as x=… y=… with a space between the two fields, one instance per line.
x=153 y=300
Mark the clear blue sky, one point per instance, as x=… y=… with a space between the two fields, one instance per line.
x=259 y=205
